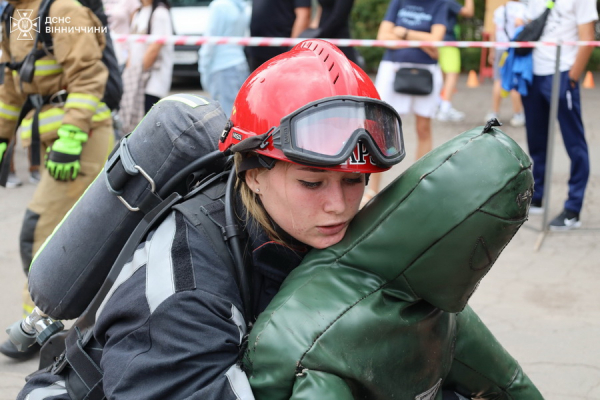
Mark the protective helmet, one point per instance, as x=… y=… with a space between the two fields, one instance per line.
x=312 y=106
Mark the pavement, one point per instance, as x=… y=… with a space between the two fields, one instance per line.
x=541 y=301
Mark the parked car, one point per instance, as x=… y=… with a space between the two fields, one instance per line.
x=189 y=18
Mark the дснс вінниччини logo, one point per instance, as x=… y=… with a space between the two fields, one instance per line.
x=24 y=24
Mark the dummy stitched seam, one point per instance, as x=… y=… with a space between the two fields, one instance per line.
x=512 y=380
x=507 y=148
x=504 y=390
x=490 y=268
x=498 y=191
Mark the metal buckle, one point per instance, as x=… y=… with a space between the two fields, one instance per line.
x=59 y=363
x=152 y=189
x=57 y=98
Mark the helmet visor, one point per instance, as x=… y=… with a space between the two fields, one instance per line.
x=326 y=132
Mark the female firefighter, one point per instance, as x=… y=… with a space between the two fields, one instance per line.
x=307 y=129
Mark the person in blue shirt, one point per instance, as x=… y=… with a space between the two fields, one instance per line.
x=411 y=20
x=223 y=68
x=450 y=60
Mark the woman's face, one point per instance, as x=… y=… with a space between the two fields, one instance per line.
x=312 y=205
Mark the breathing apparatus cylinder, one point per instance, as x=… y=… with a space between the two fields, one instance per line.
x=72 y=264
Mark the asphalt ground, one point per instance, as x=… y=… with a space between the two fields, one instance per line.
x=543 y=306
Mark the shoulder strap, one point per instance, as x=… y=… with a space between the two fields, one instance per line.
x=7 y=13
x=207 y=209
x=26 y=67
x=45 y=37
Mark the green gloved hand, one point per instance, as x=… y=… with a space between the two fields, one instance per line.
x=3 y=147
x=62 y=160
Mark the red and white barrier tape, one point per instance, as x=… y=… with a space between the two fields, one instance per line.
x=269 y=41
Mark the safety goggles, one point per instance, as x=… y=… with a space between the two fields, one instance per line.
x=326 y=132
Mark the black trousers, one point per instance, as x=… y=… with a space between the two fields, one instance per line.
x=149 y=101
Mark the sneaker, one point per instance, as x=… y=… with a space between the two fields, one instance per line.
x=518 y=120
x=34 y=177
x=536 y=208
x=450 y=115
x=565 y=221
x=9 y=350
x=13 y=181
x=490 y=115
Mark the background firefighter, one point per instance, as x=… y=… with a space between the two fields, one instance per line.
x=74 y=126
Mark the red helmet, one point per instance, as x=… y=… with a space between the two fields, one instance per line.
x=313 y=106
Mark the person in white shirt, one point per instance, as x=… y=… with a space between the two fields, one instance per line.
x=569 y=20
x=120 y=13
x=507 y=18
x=148 y=72
x=154 y=19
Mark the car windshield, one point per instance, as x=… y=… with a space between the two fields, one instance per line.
x=189 y=3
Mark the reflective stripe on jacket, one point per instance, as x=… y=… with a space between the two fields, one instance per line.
x=76 y=66
x=52 y=118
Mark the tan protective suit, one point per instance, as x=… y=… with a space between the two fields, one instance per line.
x=75 y=67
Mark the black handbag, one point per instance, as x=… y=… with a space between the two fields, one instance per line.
x=532 y=32
x=415 y=81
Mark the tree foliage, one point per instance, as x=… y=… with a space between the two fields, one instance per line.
x=364 y=22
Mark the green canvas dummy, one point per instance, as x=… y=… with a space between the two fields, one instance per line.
x=383 y=314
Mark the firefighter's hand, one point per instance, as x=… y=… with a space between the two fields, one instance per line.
x=3 y=146
x=62 y=160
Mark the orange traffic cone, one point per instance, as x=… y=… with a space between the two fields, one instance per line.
x=588 y=81
x=472 y=80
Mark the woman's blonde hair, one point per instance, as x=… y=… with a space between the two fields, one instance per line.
x=252 y=203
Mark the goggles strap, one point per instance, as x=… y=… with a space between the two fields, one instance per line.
x=252 y=143
x=255 y=161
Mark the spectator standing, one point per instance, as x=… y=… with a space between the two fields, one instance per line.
x=147 y=76
x=72 y=130
x=569 y=20
x=411 y=20
x=450 y=60
x=333 y=21
x=223 y=68
x=120 y=14
x=13 y=180
x=507 y=18
x=276 y=18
